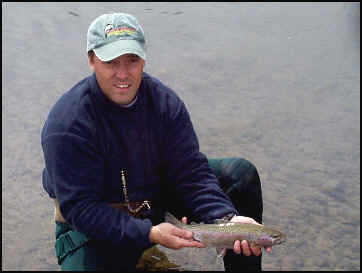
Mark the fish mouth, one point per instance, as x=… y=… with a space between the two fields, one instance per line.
x=278 y=240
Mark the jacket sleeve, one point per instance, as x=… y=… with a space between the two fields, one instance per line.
x=190 y=179
x=76 y=170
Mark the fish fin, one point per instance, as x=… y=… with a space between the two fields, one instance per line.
x=220 y=252
x=221 y=221
x=173 y=220
x=196 y=236
x=195 y=223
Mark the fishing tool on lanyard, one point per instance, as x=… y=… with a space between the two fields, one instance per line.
x=145 y=203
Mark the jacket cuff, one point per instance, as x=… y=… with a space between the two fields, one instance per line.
x=145 y=230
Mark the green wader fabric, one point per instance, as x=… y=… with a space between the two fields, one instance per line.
x=238 y=178
x=70 y=248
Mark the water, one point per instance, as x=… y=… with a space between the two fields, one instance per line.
x=276 y=83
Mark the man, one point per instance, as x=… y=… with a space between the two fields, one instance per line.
x=120 y=150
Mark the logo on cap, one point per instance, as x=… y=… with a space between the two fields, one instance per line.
x=121 y=30
x=108 y=28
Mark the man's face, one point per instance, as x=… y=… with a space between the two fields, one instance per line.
x=119 y=78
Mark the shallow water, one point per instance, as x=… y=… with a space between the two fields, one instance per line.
x=276 y=83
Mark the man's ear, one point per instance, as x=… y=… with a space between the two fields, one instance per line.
x=91 y=61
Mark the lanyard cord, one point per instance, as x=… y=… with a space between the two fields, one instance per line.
x=144 y=204
x=124 y=187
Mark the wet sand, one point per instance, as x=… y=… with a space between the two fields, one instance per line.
x=276 y=83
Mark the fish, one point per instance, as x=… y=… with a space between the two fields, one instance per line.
x=222 y=234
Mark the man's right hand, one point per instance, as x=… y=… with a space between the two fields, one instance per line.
x=172 y=237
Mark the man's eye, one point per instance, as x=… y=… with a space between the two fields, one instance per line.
x=134 y=60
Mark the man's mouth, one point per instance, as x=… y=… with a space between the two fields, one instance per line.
x=123 y=85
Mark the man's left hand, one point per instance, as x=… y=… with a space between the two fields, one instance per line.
x=243 y=246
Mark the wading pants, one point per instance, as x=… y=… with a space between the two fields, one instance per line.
x=238 y=178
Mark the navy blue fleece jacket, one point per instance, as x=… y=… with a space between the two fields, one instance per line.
x=87 y=140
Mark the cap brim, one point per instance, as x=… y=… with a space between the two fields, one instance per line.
x=120 y=47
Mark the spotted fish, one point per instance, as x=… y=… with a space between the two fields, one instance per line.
x=223 y=234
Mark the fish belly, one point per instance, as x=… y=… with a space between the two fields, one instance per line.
x=218 y=240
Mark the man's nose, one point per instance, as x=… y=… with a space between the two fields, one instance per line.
x=121 y=70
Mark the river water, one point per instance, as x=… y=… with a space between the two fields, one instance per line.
x=276 y=83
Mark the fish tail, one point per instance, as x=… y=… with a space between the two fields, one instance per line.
x=173 y=220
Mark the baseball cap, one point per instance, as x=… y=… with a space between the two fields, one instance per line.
x=114 y=34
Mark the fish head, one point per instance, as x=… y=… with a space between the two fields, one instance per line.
x=278 y=238
x=272 y=238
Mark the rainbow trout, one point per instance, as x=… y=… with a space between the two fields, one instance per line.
x=223 y=234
